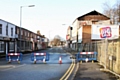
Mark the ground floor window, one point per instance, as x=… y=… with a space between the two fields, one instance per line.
x=2 y=46
x=11 y=46
x=31 y=45
x=26 y=45
x=22 y=45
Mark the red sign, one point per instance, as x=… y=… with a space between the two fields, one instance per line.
x=67 y=37
x=105 y=32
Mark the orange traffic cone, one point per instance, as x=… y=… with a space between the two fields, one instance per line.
x=60 y=60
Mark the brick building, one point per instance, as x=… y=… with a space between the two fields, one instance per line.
x=82 y=26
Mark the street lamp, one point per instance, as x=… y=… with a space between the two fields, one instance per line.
x=21 y=20
x=71 y=28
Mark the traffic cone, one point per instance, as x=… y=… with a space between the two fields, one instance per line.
x=60 y=60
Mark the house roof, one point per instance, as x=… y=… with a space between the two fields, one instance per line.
x=94 y=12
x=43 y=36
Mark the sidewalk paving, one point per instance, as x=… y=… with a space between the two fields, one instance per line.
x=91 y=71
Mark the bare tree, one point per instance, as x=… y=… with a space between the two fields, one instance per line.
x=118 y=10
x=56 y=41
x=112 y=11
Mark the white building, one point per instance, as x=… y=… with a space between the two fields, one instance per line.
x=7 y=37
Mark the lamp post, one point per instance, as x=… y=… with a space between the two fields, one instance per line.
x=71 y=28
x=21 y=20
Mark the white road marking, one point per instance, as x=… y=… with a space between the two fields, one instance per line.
x=6 y=66
x=12 y=67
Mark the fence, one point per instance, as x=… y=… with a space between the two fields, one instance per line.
x=108 y=53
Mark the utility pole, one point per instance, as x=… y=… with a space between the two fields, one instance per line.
x=21 y=22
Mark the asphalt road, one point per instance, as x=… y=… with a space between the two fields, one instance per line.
x=27 y=70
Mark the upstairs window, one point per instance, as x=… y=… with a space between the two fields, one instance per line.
x=21 y=32
x=0 y=28
x=25 y=33
x=18 y=30
x=7 y=29
x=28 y=34
x=11 y=31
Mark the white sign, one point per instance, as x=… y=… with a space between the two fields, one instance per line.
x=104 y=31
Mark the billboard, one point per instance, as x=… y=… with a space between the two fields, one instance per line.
x=104 y=31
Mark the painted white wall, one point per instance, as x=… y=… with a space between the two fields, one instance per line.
x=74 y=31
x=4 y=24
x=80 y=34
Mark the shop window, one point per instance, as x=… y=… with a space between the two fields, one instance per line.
x=11 y=46
x=1 y=46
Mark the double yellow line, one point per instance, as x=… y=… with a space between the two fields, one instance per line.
x=69 y=71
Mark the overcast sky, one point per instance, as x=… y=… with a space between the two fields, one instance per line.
x=48 y=15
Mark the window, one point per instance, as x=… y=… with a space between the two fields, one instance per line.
x=28 y=34
x=7 y=29
x=25 y=33
x=11 y=46
x=18 y=30
x=21 y=32
x=0 y=28
x=1 y=46
x=11 y=31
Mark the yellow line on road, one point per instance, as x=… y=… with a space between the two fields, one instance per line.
x=68 y=72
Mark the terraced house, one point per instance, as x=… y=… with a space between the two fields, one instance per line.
x=7 y=37
x=12 y=41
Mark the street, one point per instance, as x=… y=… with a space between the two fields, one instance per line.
x=27 y=70
x=51 y=70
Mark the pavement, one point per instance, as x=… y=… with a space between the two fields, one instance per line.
x=90 y=71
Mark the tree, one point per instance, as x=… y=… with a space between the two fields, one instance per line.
x=56 y=41
x=38 y=32
x=112 y=11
